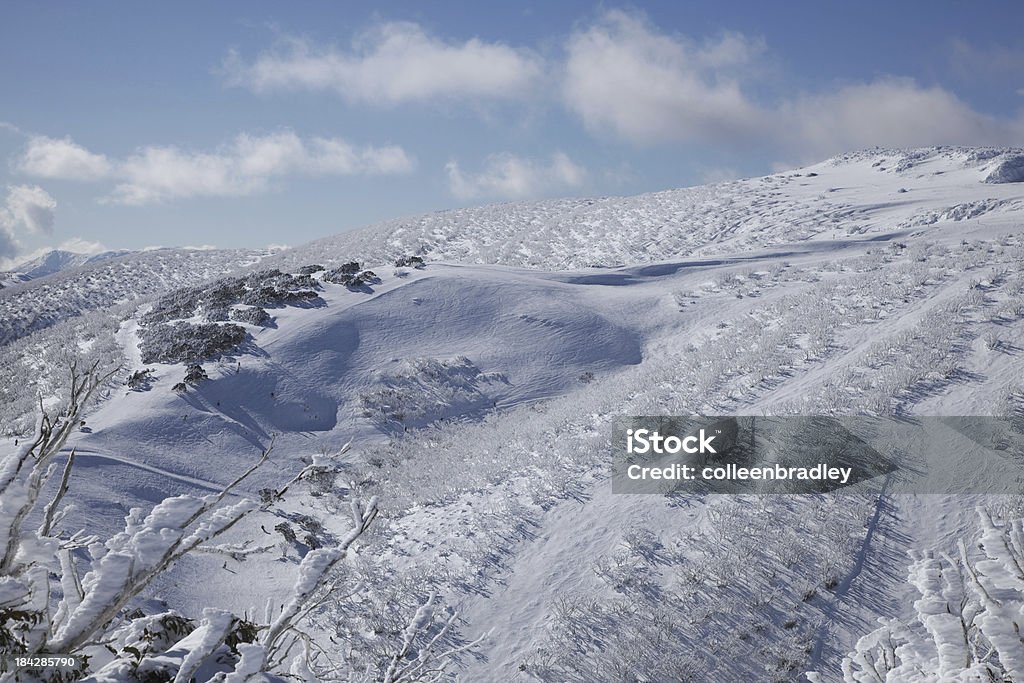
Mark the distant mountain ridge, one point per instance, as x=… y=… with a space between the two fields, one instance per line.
x=57 y=260
x=29 y=304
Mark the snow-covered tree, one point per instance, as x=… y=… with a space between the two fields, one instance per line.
x=969 y=619
x=51 y=605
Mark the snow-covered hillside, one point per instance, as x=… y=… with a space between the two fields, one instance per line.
x=874 y=192
x=479 y=392
x=57 y=260
x=73 y=288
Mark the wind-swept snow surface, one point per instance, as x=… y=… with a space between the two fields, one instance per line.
x=479 y=393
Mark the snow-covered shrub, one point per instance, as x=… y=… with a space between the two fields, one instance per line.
x=694 y=586
x=310 y=269
x=262 y=288
x=413 y=261
x=252 y=315
x=992 y=341
x=140 y=380
x=194 y=374
x=343 y=273
x=969 y=621
x=425 y=389
x=104 y=286
x=188 y=342
x=351 y=278
x=33 y=365
x=273 y=296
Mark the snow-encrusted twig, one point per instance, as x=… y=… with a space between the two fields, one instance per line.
x=50 y=511
x=214 y=628
x=418 y=627
x=314 y=569
x=18 y=494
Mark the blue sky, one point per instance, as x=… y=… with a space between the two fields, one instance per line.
x=127 y=125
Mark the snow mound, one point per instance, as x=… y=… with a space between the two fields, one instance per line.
x=1009 y=170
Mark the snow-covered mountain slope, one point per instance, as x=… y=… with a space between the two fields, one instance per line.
x=479 y=393
x=57 y=260
x=856 y=194
x=73 y=288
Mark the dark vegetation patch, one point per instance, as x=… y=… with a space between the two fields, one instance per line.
x=253 y=315
x=183 y=342
x=265 y=288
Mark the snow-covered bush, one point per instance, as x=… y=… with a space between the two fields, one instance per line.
x=425 y=389
x=188 y=342
x=343 y=274
x=351 y=276
x=969 y=621
x=273 y=296
x=194 y=374
x=252 y=315
x=213 y=301
x=413 y=261
x=33 y=365
x=104 y=285
x=140 y=380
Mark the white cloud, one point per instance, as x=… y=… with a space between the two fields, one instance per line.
x=511 y=177
x=79 y=245
x=711 y=176
x=27 y=208
x=52 y=158
x=991 y=63
x=8 y=245
x=244 y=166
x=891 y=112
x=624 y=77
x=393 y=63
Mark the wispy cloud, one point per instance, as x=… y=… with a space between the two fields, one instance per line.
x=61 y=158
x=27 y=208
x=10 y=128
x=79 y=245
x=711 y=176
x=626 y=79
x=244 y=166
x=990 y=63
x=508 y=176
x=890 y=112
x=392 y=63
x=623 y=77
